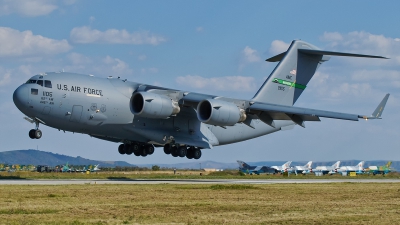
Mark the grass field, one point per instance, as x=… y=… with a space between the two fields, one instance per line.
x=180 y=174
x=336 y=203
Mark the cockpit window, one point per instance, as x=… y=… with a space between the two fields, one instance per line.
x=40 y=82
x=47 y=83
x=31 y=82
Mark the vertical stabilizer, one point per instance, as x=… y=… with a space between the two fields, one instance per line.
x=336 y=165
x=286 y=165
x=243 y=165
x=308 y=165
x=291 y=76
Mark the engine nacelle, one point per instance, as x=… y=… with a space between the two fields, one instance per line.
x=219 y=113
x=153 y=106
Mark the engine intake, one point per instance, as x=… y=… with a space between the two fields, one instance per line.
x=153 y=106
x=219 y=113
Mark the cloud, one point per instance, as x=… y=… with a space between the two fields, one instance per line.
x=384 y=78
x=228 y=83
x=142 y=57
x=86 y=35
x=278 y=46
x=149 y=70
x=15 y=43
x=5 y=77
x=199 y=29
x=29 y=8
x=364 y=42
x=118 y=67
x=248 y=56
x=92 y=19
x=78 y=59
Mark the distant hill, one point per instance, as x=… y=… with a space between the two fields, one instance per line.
x=35 y=157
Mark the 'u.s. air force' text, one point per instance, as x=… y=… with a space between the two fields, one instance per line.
x=79 y=89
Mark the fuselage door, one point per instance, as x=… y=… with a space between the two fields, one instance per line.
x=76 y=113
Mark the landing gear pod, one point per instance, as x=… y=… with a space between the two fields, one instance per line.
x=219 y=113
x=152 y=105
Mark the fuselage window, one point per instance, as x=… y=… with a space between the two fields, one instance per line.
x=31 y=82
x=34 y=91
x=47 y=83
x=40 y=82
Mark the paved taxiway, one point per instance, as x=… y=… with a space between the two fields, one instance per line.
x=193 y=181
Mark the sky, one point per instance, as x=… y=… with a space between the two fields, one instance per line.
x=214 y=47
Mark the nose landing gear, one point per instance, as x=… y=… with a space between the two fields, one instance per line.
x=35 y=133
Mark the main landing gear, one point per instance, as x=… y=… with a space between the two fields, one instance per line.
x=136 y=148
x=182 y=151
x=35 y=133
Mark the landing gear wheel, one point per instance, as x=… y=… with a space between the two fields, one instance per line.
x=136 y=153
x=143 y=152
x=149 y=149
x=167 y=149
x=128 y=149
x=136 y=147
x=121 y=149
x=182 y=151
x=174 y=151
x=196 y=153
x=32 y=134
x=38 y=134
x=189 y=153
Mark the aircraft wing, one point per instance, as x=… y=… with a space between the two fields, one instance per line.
x=270 y=112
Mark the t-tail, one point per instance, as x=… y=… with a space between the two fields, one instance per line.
x=243 y=165
x=295 y=69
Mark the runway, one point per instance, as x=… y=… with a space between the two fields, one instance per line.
x=191 y=181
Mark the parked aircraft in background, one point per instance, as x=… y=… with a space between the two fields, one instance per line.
x=246 y=168
x=359 y=168
x=142 y=116
x=328 y=169
x=380 y=169
x=303 y=169
x=284 y=168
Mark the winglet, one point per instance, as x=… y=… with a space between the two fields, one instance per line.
x=378 y=111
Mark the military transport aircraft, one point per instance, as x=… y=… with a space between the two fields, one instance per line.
x=142 y=116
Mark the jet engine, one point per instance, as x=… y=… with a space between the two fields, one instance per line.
x=153 y=106
x=219 y=113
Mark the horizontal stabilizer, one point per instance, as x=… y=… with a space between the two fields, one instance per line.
x=276 y=58
x=320 y=52
x=280 y=56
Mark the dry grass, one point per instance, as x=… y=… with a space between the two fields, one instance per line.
x=337 y=203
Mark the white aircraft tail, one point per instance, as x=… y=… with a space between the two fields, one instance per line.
x=308 y=165
x=336 y=165
x=286 y=165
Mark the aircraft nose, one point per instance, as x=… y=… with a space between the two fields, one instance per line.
x=20 y=97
